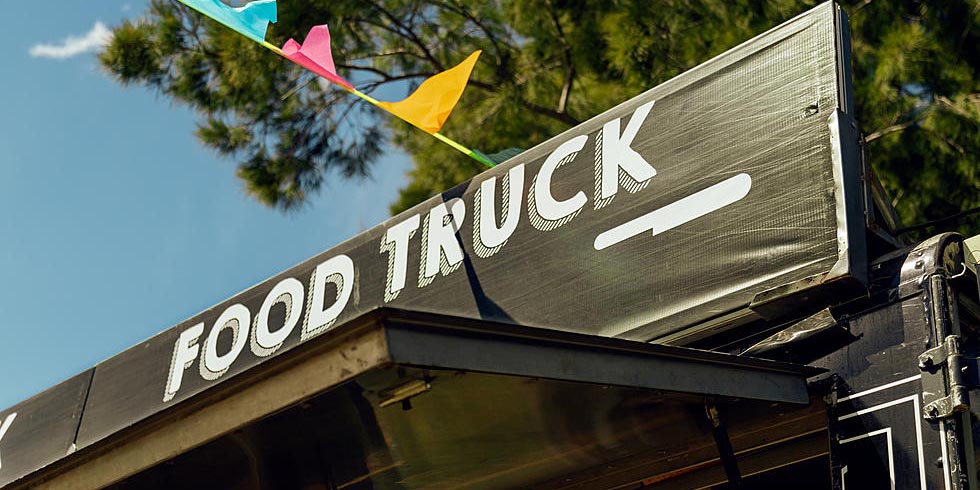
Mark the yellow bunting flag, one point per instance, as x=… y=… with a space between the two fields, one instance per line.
x=430 y=105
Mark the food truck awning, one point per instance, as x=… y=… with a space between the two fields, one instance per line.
x=728 y=196
x=408 y=400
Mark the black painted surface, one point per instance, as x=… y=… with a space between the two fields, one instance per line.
x=882 y=433
x=42 y=429
x=879 y=430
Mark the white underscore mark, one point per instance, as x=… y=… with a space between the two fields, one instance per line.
x=679 y=212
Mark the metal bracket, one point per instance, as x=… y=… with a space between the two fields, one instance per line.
x=947 y=377
x=725 y=451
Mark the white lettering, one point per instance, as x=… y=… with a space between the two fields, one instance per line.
x=234 y=318
x=547 y=213
x=185 y=352
x=289 y=292
x=395 y=244
x=488 y=239
x=340 y=272
x=441 y=251
x=4 y=427
x=679 y=212
x=616 y=160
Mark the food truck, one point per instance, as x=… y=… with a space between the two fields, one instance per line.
x=699 y=288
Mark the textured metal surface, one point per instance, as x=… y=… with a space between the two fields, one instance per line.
x=41 y=430
x=972 y=252
x=941 y=254
x=809 y=339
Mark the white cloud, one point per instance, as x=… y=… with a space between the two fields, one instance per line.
x=72 y=45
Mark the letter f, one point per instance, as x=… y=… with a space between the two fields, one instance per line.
x=185 y=351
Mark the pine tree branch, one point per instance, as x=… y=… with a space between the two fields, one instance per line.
x=940 y=100
x=535 y=108
x=863 y=4
x=957 y=110
x=407 y=33
x=566 y=88
x=385 y=76
x=940 y=221
x=374 y=85
x=383 y=54
x=890 y=129
x=462 y=11
x=544 y=111
x=191 y=26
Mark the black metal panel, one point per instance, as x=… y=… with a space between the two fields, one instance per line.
x=127 y=388
x=41 y=430
x=609 y=362
x=880 y=432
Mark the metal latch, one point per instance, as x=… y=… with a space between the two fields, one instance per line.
x=946 y=380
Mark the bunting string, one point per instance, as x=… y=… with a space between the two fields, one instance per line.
x=427 y=108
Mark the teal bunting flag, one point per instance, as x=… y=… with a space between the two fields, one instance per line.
x=251 y=19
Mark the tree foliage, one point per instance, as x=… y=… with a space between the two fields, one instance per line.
x=547 y=65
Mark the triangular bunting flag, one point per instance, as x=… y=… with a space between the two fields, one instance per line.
x=430 y=105
x=251 y=19
x=315 y=54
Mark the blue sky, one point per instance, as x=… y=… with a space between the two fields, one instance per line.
x=115 y=222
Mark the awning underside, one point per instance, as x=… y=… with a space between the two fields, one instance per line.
x=407 y=400
x=473 y=430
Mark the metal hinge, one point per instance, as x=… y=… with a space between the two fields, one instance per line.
x=946 y=379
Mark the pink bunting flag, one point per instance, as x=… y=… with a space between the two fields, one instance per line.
x=315 y=55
